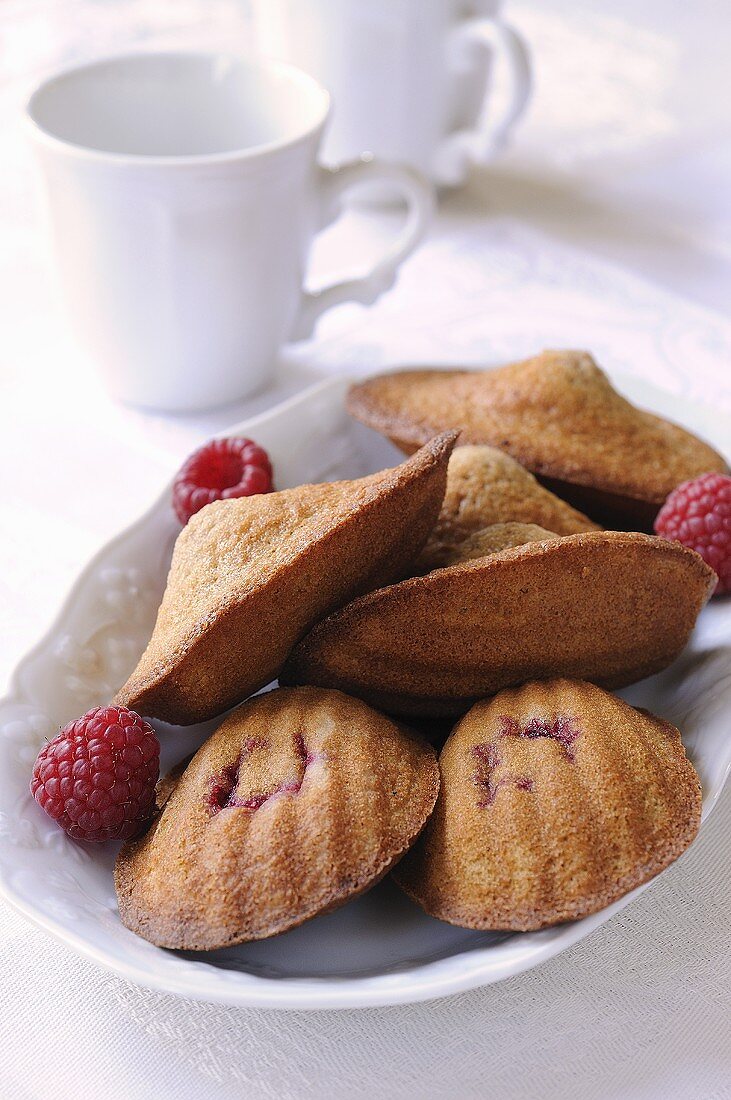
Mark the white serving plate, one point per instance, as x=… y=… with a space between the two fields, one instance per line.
x=379 y=949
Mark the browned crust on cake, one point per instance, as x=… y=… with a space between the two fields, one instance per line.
x=607 y=606
x=485 y=488
x=481 y=544
x=353 y=536
x=576 y=836
x=556 y=414
x=199 y=881
x=167 y=783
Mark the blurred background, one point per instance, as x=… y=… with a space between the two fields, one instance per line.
x=625 y=149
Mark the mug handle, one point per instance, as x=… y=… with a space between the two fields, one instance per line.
x=479 y=144
x=419 y=196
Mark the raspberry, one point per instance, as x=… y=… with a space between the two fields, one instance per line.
x=221 y=469
x=698 y=514
x=97 y=777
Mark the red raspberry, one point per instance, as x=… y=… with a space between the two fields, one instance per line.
x=97 y=777
x=698 y=514
x=221 y=469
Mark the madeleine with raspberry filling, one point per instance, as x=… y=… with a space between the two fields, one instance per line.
x=250 y=576
x=556 y=800
x=301 y=800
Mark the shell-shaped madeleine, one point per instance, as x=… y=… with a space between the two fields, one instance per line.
x=606 y=606
x=250 y=576
x=486 y=487
x=301 y=800
x=559 y=416
x=556 y=799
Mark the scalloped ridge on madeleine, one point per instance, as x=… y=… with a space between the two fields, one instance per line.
x=250 y=576
x=486 y=487
x=559 y=416
x=301 y=800
x=606 y=606
x=556 y=800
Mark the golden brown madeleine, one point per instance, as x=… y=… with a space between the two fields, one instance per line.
x=606 y=606
x=485 y=487
x=250 y=576
x=480 y=544
x=559 y=416
x=556 y=799
x=301 y=800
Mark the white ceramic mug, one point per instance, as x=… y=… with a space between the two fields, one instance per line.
x=411 y=79
x=184 y=191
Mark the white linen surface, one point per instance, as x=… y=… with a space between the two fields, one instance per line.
x=637 y=1011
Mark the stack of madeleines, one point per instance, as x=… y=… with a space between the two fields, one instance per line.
x=504 y=585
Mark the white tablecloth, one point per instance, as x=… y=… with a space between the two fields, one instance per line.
x=639 y=1010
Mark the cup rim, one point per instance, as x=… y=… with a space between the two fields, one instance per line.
x=156 y=160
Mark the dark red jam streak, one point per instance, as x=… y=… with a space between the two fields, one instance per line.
x=222 y=794
x=562 y=729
